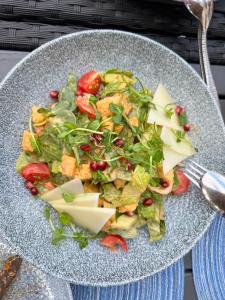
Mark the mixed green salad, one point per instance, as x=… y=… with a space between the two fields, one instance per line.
x=104 y=155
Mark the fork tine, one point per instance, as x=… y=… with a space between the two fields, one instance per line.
x=195 y=169
x=193 y=174
x=197 y=165
x=195 y=182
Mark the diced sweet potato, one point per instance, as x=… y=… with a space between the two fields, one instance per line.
x=68 y=165
x=83 y=172
x=118 y=99
x=38 y=118
x=26 y=141
x=133 y=121
x=118 y=128
x=90 y=187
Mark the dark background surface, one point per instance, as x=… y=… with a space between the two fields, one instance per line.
x=26 y=24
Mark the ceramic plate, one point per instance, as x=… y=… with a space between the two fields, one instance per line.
x=31 y=283
x=21 y=217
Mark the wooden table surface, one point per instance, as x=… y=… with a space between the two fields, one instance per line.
x=9 y=58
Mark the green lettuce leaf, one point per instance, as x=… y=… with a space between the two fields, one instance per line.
x=111 y=194
x=140 y=178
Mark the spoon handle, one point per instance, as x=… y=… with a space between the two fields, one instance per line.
x=205 y=64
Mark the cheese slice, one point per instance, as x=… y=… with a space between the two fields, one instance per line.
x=84 y=199
x=91 y=218
x=74 y=186
x=169 y=138
x=171 y=159
x=161 y=100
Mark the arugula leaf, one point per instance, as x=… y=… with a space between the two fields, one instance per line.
x=47 y=213
x=112 y=88
x=77 y=154
x=116 y=109
x=65 y=219
x=117 y=119
x=45 y=111
x=118 y=71
x=57 y=236
x=67 y=96
x=51 y=146
x=93 y=99
x=169 y=111
x=94 y=125
x=107 y=140
x=68 y=197
x=81 y=239
x=182 y=119
x=99 y=177
x=180 y=135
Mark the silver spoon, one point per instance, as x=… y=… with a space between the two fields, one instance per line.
x=203 y=10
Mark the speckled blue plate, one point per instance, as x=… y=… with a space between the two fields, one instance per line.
x=21 y=217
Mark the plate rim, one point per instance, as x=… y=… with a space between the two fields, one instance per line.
x=211 y=217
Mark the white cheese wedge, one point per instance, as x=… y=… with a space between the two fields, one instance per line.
x=185 y=147
x=84 y=199
x=161 y=100
x=171 y=159
x=74 y=186
x=91 y=218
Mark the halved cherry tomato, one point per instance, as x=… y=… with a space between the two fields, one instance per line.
x=112 y=240
x=89 y=83
x=36 y=172
x=85 y=107
x=183 y=185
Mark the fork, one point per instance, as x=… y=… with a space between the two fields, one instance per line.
x=211 y=183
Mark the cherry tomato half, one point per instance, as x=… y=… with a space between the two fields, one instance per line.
x=183 y=185
x=89 y=83
x=85 y=107
x=112 y=240
x=36 y=172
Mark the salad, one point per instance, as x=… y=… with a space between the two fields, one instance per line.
x=104 y=154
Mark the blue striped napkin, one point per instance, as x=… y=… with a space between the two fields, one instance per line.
x=166 y=285
x=208 y=260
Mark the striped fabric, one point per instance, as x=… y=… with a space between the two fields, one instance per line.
x=208 y=260
x=166 y=285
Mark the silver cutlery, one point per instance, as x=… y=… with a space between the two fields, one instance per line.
x=203 y=10
x=212 y=184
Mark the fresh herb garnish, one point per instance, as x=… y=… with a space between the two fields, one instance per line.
x=182 y=118
x=169 y=111
x=180 y=135
x=58 y=235
x=68 y=197
x=65 y=219
x=81 y=239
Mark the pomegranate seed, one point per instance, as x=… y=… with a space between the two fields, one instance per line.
x=119 y=142
x=179 y=110
x=148 y=202
x=102 y=165
x=29 y=185
x=94 y=166
x=85 y=148
x=34 y=191
x=187 y=127
x=130 y=166
x=97 y=137
x=129 y=213
x=165 y=184
x=54 y=95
